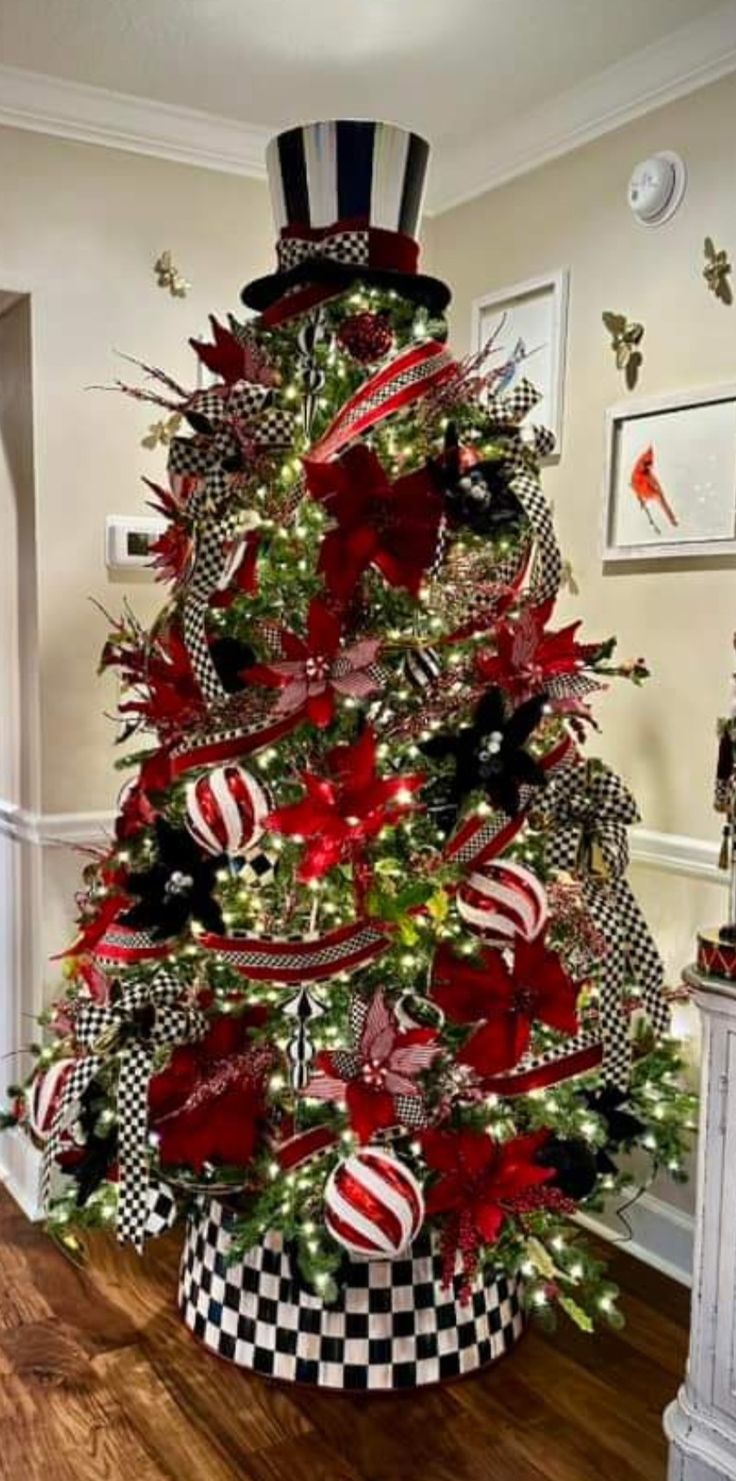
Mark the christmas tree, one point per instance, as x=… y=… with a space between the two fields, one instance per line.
x=361 y=964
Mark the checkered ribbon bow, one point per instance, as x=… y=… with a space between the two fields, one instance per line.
x=142 y=1019
x=342 y=246
x=588 y=811
x=526 y=446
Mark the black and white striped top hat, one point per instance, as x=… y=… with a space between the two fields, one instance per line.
x=347 y=198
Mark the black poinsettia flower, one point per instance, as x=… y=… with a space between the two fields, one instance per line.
x=476 y=493
x=622 y=1126
x=489 y=755
x=177 y=888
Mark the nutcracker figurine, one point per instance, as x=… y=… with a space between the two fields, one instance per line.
x=717 y=948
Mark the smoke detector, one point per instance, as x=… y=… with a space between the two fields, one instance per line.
x=656 y=188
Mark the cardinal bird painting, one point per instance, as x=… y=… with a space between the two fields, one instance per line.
x=648 y=489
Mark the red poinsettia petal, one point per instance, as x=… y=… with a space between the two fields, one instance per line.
x=369 y=1110
x=488 y=1219
x=323 y=627
x=467 y=990
x=320 y=706
x=494 y=1046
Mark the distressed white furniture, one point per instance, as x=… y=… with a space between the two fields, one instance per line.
x=701 y=1422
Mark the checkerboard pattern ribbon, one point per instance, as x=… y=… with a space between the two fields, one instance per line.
x=589 y=810
x=146 y=1016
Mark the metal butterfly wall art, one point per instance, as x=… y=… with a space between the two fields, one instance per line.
x=716 y=272
x=626 y=336
x=168 y=276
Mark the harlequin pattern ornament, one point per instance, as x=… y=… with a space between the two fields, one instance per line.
x=366 y=337
x=373 y=1204
x=44 y=1098
x=225 y=809
x=503 y=901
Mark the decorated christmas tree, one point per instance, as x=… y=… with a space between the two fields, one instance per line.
x=360 y=987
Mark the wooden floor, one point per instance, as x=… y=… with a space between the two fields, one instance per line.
x=99 y=1381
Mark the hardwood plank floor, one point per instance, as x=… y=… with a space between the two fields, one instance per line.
x=99 y=1381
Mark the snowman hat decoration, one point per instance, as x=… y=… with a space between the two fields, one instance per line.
x=347 y=199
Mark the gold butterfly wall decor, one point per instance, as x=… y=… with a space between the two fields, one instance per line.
x=160 y=433
x=716 y=272
x=168 y=276
x=626 y=337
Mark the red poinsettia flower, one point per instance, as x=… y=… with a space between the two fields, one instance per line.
x=341 y=813
x=392 y=526
x=160 y=675
x=527 y=657
x=234 y=357
x=374 y=1078
x=315 y=669
x=173 y=550
x=477 y=1177
x=136 y=809
x=208 y=1105
x=505 y=998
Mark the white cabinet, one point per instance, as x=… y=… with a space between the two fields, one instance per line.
x=701 y=1422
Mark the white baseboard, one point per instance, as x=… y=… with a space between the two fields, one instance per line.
x=20 y=1172
x=662 y=1235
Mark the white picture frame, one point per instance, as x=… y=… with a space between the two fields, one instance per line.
x=670 y=477
x=533 y=313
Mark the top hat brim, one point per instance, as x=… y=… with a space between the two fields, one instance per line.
x=262 y=293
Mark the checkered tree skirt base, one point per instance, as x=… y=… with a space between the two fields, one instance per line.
x=393 y=1327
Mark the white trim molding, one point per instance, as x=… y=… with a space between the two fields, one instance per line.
x=95 y=115
x=688 y=58
x=675 y=853
x=661 y=1235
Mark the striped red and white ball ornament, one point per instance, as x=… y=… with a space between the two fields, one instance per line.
x=44 y=1096
x=225 y=810
x=373 y=1204
x=502 y=901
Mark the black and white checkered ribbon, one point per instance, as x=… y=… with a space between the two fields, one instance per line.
x=588 y=807
x=527 y=445
x=145 y=1017
x=351 y=247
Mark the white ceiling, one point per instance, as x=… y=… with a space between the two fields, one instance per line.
x=473 y=75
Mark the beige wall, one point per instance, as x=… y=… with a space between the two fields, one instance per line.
x=573 y=213
x=81 y=227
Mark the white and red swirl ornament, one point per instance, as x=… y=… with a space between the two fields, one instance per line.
x=225 y=809
x=373 y=1204
x=44 y=1098
x=503 y=901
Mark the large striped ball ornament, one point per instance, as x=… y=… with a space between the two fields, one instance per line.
x=373 y=1204
x=225 y=809
x=502 y=901
x=44 y=1096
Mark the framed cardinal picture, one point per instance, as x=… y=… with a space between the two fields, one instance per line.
x=524 y=329
x=670 y=477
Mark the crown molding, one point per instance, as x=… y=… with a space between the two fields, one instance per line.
x=94 y=115
x=688 y=59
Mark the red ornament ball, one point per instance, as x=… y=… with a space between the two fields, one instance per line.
x=373 y=1204
x=366 y=337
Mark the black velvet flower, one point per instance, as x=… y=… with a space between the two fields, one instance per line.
x=476 y=495
x=575 y=1164
x=489 y=755
x=176 y=889
x=622 y=1126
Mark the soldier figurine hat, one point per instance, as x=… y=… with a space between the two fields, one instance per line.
x=347 y=199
